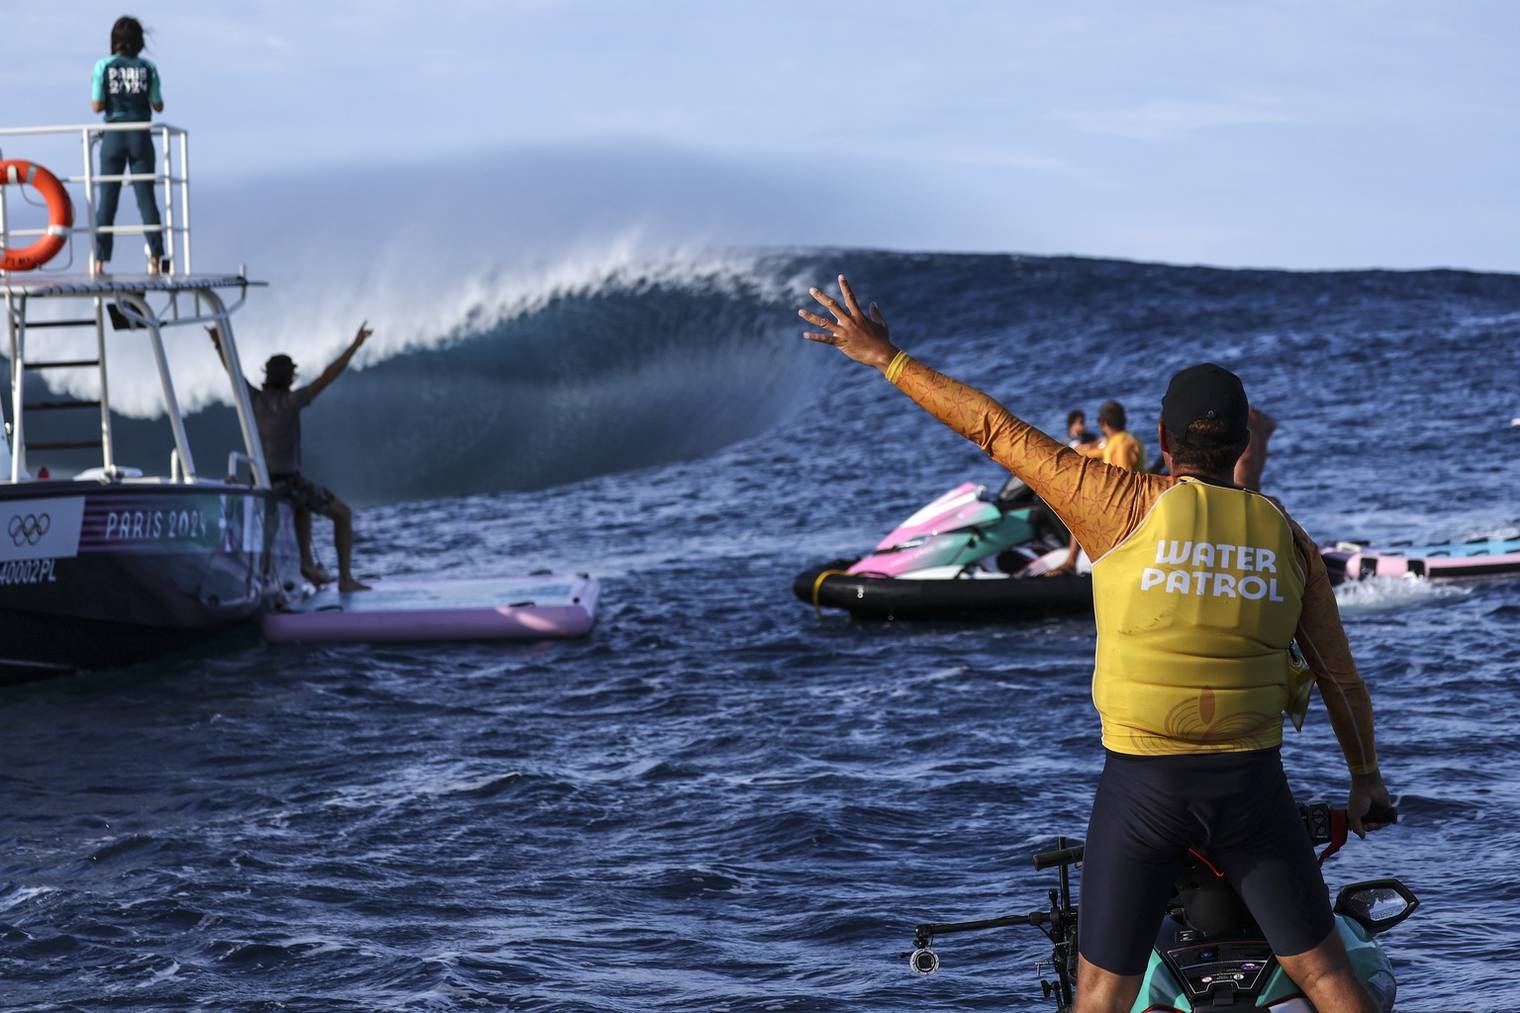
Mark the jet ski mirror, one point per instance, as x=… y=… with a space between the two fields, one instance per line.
x=1377 y=904
x=1014 y=493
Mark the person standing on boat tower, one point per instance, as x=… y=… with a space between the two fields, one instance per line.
x=126 y=89
x=277 y=412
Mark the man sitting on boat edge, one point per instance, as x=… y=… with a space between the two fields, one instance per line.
x=277 y=412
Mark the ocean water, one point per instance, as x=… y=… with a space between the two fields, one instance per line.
x=721 y=801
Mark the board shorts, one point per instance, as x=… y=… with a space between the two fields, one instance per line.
x=303 y=493
x=1237 y=810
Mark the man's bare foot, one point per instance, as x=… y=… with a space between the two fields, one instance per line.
x=350 y=584
x=316 y=575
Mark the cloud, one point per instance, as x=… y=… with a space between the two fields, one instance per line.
x=1163 y=119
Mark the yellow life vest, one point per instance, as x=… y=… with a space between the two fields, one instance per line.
x=1124 y=450
x=1196 y=612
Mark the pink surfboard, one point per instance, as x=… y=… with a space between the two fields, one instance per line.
x=421 y=608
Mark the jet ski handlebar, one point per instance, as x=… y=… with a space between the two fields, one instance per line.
x=923 y=959
x=929 y=929
x=1325 y=825
x=1321 y=820
x=1060 y=856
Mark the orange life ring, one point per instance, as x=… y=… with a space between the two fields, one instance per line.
x=60 y=216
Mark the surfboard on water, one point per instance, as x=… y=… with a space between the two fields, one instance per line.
x=437 y=608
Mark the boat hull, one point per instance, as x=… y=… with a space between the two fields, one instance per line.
x=96 y=576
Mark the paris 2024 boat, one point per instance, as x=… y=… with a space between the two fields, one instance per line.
x=103 y=562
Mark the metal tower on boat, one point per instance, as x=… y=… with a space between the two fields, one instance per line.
x=177 y=297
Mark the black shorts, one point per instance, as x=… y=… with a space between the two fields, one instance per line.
x=303 y=493
x=1233 y=807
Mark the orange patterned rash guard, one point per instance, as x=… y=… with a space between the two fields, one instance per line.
x=1103 y=505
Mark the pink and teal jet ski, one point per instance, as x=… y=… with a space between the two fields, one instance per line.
x=968 y=555
x=973 y=555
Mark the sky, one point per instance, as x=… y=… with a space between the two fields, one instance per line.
x=1328 y=134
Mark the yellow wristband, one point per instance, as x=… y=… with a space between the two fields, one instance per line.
x=896 y=366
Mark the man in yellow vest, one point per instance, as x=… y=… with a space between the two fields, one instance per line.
x=1119 y=445
x=1199 y=589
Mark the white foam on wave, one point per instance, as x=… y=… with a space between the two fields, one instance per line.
x=162 y=974
x=429 y=257
x=21 y=894
x=315 y=318
x=1383 y=594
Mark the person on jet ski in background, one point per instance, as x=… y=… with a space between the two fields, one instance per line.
x=277 y=412
x=1076 y=429
x=1254 y=461
x=126 y=88
x=1200 y=589
x=1118 y=447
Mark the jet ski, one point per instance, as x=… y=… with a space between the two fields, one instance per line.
x=1481 y=557
x=1208 y=952
x=968 y=555
x=972 y=555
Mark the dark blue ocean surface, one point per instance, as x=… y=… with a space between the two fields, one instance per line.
x=718 y=801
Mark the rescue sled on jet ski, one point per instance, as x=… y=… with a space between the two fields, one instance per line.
x=969 y=555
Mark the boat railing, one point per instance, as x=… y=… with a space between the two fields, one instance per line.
x=147 y=304
x=237 y=458
x=171 y=181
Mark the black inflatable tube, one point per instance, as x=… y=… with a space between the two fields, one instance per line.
x=997 y=600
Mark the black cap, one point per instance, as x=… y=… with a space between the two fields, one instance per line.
x=1206 y=391
x=280 y=369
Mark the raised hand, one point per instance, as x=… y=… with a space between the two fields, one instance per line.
x=862 y=336
x=364 y=332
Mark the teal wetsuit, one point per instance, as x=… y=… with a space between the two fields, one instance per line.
x=129 y=88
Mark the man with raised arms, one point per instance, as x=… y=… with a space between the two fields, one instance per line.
x=277 y=408
x=1200 y=589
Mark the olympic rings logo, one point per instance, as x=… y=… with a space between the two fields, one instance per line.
x=29 y=529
